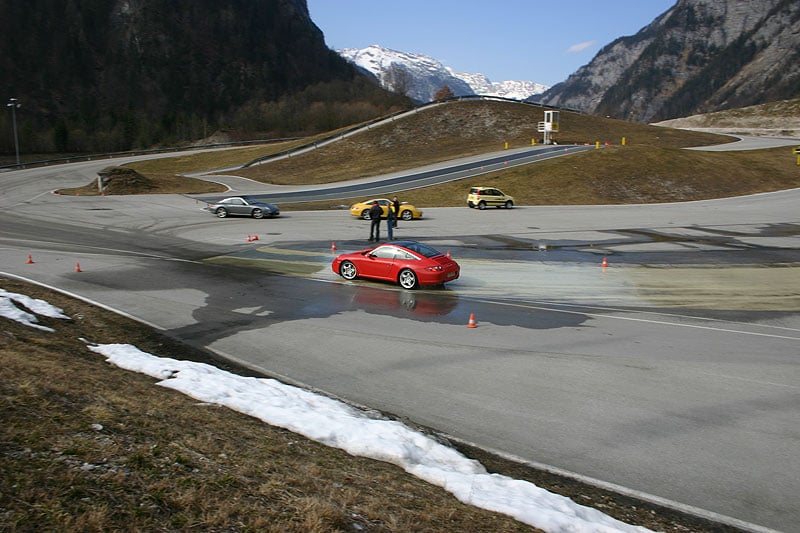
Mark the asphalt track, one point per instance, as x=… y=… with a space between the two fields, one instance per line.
x=391 y=183
x=673 y=371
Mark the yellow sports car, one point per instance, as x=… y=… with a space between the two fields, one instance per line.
x=407 y=211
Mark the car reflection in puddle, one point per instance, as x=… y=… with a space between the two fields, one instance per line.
x=399 y=302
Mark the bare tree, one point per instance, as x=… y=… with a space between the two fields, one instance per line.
x=443 y=92
x=398 y=80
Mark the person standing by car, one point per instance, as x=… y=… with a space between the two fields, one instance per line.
x=375 y=213
x=396 y=207
x=391 y=221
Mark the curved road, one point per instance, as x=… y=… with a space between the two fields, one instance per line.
x=390 y=183
x=673 y=372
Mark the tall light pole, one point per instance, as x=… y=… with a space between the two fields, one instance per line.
x=14 y=104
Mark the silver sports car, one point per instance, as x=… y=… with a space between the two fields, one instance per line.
x=243 y=205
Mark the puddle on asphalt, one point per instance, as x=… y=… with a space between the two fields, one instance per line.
x=278 y=260
x=731 y=288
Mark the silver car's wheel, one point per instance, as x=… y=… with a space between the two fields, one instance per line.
x=481 y=205
x=258 y=213
x=406 y=215
x=365 y=214
x=509 y=204
x=407 y=279
x=221 y=212
x=348 y=270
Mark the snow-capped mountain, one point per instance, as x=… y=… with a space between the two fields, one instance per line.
x=480 y=84
x=420 y=77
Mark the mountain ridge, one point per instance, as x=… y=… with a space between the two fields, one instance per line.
x=419 y=76
x=699 y=56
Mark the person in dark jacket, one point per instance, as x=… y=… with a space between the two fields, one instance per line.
x=375 y=213
x=396 y=207
x=391 y=222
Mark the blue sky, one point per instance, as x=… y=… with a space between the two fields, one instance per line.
x=512 y=40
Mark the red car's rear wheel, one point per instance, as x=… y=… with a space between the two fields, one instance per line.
x=348 y=270
x=407 y=278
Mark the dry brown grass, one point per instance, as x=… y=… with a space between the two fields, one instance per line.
x=651 y=167
x=778 y=119
x=633 y=174
x=166 y=175
x=452 y=131
x=160 y=461
x=616 y=175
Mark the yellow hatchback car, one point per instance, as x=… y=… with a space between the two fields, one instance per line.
x=482 y=197
x=407 y=211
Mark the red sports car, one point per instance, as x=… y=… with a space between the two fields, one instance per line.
x=408 y=263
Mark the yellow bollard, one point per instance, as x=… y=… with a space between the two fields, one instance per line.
x=506 y=145
x=597 y=145
x=623 y=141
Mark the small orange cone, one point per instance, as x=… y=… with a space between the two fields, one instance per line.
x=448 y=253
x=249 y=238
x=255 y=237
x=30 y=260
x=333 y=246
x=605 y=262
x=472 y=323
x=78 y=267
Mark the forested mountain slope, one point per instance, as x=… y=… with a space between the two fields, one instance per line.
x=99 y=75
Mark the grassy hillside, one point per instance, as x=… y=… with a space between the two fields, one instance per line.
x=651 y=167
x=456 y=130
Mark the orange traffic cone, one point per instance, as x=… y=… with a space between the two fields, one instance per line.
x=78 y=267
x=605 y=262
x=448 y=253
x=333 y=246
x=249 y=238
x=472 y=323
x=30 y=260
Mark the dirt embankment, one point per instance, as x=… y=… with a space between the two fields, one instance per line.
x=775 y=119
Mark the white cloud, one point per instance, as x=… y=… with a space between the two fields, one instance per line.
x=579 y=47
